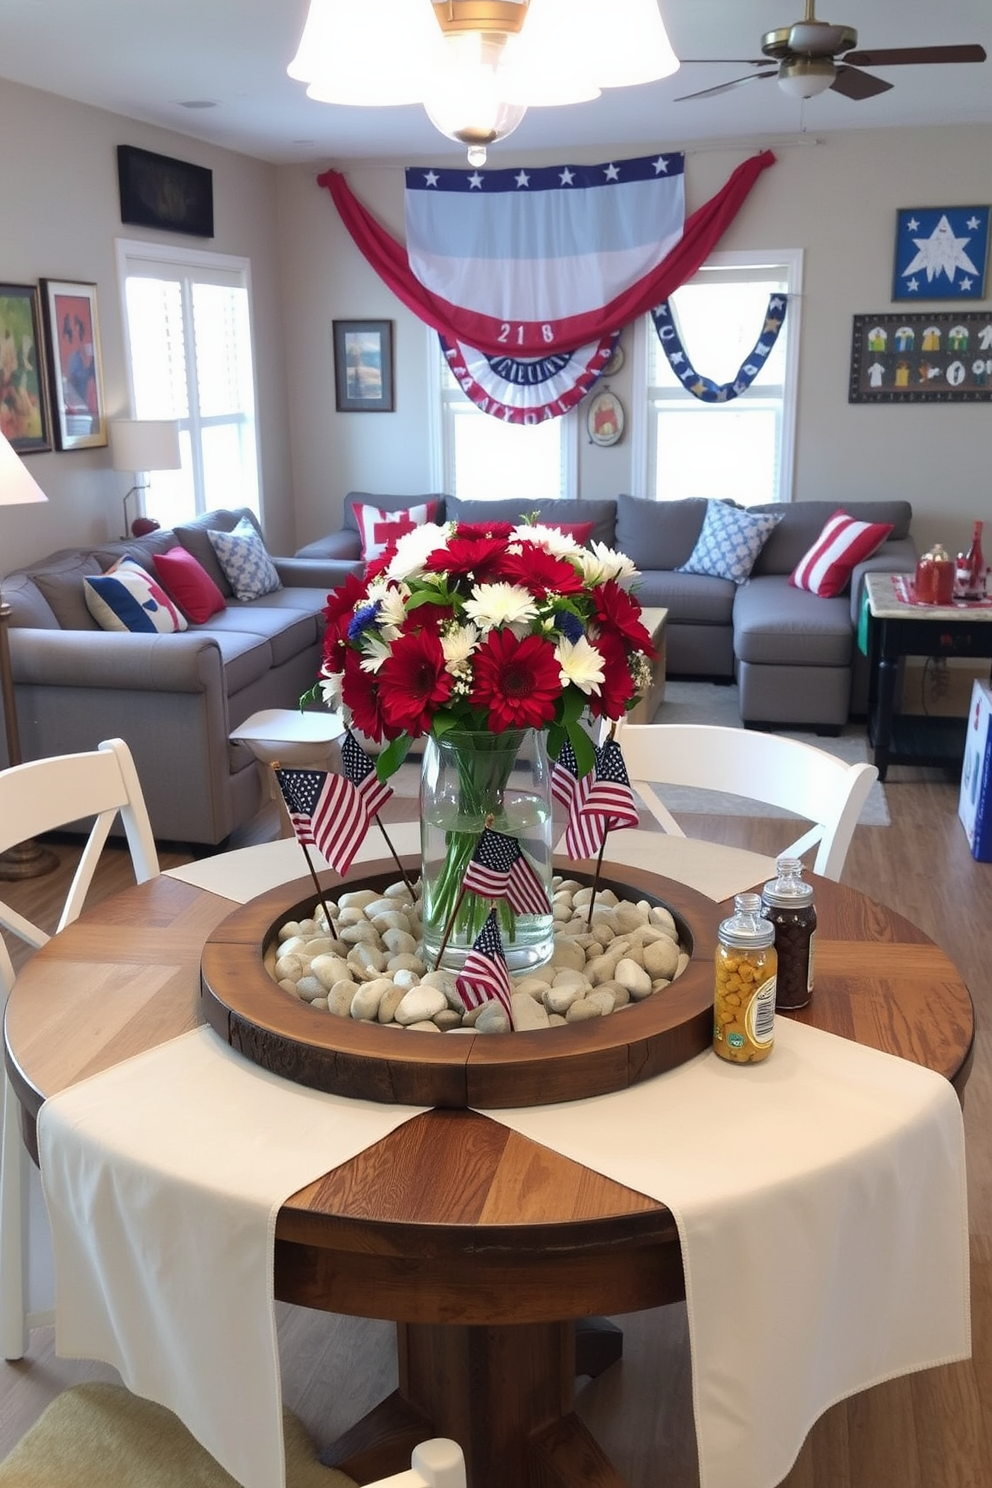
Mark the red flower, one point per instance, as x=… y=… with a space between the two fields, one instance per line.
x=479 y=556
x=360 y=691
x=339 y=613
x=518 y=682
x=413 y=682
x=617 y=687
x=484 y=529
x=619 y=614
x=428 y=617
x=541 y=572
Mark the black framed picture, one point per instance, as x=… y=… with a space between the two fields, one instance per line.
x=941 y=253
x=24 y=416
x=927 y=358
x=157 y=191
x=363 y=366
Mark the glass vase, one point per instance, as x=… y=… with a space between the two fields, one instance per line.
x=471 y=780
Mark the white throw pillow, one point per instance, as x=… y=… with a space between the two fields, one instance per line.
x=244 y=558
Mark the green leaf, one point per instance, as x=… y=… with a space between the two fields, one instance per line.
x=581 y=743
x=444 y=721
x=392 y=756
x=556 y=738
x=573 y=701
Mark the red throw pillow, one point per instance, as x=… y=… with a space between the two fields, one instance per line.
x=580 y=532
x=844 y=542
x=380 y=529
x=189 y=584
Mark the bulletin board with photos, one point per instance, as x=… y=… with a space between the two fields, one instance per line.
x=922 y=358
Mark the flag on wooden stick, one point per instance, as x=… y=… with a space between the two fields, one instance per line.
x=499 y=869
x=484 y=975
x=333 y=812
x=596 y=803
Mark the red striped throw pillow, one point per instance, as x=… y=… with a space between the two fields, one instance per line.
x=844 y=542
x=380 y=529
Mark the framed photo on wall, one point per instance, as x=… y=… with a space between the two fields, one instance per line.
x=24 y=415
x=941 y=253
x=942 y=357
x=172 y=195
x=75 y=364
x=363 y=366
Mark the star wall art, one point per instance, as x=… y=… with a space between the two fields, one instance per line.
x=941 y=253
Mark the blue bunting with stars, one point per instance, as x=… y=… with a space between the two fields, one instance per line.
x=703 y=387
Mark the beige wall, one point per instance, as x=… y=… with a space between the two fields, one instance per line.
x=836 y=200
x=60 y=220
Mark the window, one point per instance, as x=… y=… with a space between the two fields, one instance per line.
x=742 y=448
x=480 y=458
x=188 y=337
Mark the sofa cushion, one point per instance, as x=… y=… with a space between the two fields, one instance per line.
x=389 y=503
x=193 y=537
x=28 y=606
x=189 y=584
x=244 y=558
x=287 y=632
x=802 y=522
x=690 y=599
x=729 y=541
x=826 y=568
x=776 y=624
x=61 y=583
x=602 y=514
x=128 y=598
x=658 y=534
x=381 y=528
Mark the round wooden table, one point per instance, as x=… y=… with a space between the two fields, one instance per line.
x=486 y=1249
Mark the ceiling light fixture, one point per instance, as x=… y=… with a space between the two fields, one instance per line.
x=805 y=77
x=478 y=65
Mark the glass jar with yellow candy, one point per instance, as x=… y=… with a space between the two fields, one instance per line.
x=745 y=967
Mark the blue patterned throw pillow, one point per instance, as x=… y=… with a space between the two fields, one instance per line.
x=729 y=541
x=247 y=566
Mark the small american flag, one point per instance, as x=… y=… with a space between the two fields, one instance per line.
x=598 y=802
x=333 y=812
x=484 y=975
x=500 y=870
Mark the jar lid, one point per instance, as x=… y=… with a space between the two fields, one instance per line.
x=788 y=888
x=747 y=926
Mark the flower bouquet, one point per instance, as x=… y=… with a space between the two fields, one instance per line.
x=492 y=643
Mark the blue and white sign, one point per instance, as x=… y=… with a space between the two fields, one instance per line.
x=941 y=253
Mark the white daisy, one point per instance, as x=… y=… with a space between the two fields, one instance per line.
x=330 y=689
x=391 y=599
x=548 y=538
x=501 y=604
x=414 y=548
x=458 y=642
x=581 y=664
x=604 y=563
x=374 y=652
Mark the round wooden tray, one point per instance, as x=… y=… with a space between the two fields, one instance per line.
x=256 y=1017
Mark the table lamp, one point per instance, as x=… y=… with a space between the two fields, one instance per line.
x=141 y=445
x=17 y=487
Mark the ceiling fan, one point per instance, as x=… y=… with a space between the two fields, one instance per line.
x=812 y=55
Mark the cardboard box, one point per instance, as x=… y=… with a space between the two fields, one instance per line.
x=975 y=799
x=940 y=686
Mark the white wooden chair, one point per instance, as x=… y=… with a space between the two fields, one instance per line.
x=437 y=1463
x=38 y=797
x=764 y=767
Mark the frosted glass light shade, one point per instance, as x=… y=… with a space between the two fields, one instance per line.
x=144 y=444
x=805 y=77
x=17 y=487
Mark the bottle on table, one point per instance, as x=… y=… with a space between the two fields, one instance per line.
x=970 y=575
x=789 y=908
x=744 y=984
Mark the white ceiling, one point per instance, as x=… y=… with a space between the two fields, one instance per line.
x=147 y=59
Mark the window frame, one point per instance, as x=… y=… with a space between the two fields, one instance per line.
x=791 y=259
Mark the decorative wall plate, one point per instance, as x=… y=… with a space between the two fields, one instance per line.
x=604 y=418
x=616 y=361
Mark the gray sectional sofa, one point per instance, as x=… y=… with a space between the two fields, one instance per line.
x=174 y=698
x=794 y=655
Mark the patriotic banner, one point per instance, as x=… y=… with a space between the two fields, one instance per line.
x=596 y=803
x=500 y=870
x=532 y=389
x=334 y=812
x=573 y=242
x=702 y=387
x=484 y=976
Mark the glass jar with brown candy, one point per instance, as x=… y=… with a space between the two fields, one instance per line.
x=788 y=902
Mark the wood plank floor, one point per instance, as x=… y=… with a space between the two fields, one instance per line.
x=930 y=1430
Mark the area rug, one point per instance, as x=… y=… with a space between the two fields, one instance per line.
x=713 y=703
x=96 y=1435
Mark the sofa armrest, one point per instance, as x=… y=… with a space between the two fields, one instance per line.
x=898 y=555
x=344 y=544
x=113 y=659
x=315 y=573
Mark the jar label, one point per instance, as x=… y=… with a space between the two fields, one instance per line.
x=760 y=1015
x=809 y=969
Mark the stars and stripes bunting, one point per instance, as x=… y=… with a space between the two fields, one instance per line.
x=499 y=869
x=598 y=802
x=333 y=812
x=484 y=975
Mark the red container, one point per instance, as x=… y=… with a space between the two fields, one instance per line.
x=934 y=582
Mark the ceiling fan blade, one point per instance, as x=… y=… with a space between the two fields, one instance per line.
x=918 y=56
x=856 y=84
x=726 y=87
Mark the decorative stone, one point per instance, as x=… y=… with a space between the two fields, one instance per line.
x=492 y=1019
x=527 y=1013
x=633 y=977
x=419 y=1004
x=339 y=999
x=582 y=1010
x=661 y=958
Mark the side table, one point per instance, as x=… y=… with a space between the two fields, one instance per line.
x=288 y=736
x=655 y=622
x=897 y=627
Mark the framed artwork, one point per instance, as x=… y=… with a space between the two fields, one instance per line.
x=604 y=418
x=75 y=364
x=363 y=366
x=157 y=191
x=24 y=416
x=941 y=253
x=927 y=358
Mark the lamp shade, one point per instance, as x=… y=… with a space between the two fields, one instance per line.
x=17 y=487
x=145 y=444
